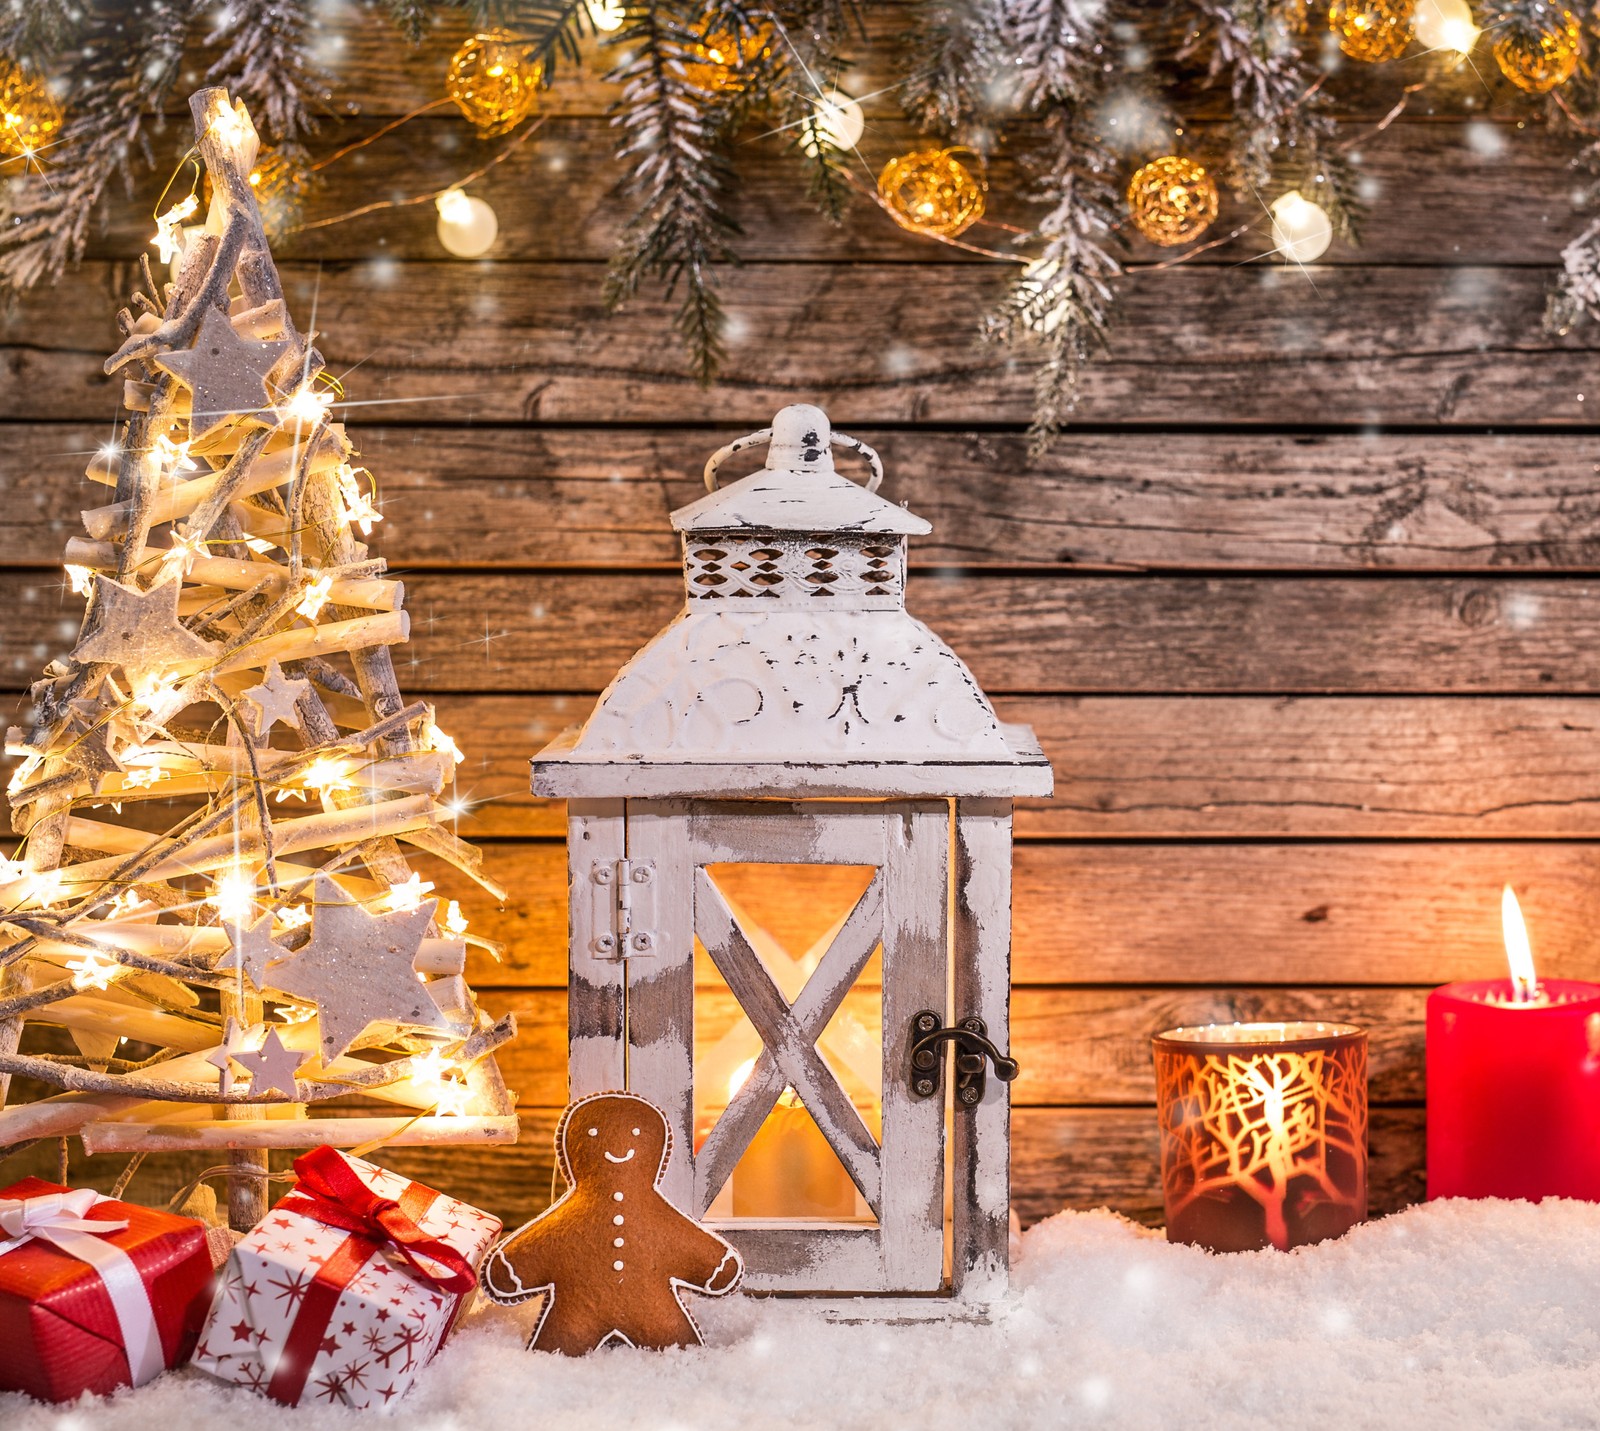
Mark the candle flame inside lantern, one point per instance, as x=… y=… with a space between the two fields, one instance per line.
x=1519 y=954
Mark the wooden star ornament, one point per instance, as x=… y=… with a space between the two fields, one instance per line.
x=138 y=630
x=359 y=969
x=272 y=1067
x=226 y=374
x=275 y=700
x=251 y=949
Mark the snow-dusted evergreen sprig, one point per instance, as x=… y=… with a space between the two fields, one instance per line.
x=1280 y=128
x=1059 y=311
x=678 y=174
x=949 y=67
x=34 y=31
x=132 y=61
x=268 y=63
x=808 y=55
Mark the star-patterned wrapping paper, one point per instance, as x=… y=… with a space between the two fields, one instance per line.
x=385 y=1326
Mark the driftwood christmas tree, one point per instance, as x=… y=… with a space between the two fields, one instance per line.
x=272 y=949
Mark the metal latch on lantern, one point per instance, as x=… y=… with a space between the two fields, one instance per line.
x=624 y=908
x=974 y=1051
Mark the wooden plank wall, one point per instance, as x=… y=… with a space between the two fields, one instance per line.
x=1303 y=608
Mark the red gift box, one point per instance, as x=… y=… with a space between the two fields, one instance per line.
x=61 y=1332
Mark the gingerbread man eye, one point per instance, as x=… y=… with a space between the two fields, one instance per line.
x=594 y=1132
x=635 y=1132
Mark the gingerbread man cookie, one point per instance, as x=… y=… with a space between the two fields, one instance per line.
x=613 y=1256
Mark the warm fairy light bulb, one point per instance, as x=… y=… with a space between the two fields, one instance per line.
x=308 y=405
x=440 y=1083
x=436 y=740
x=1301 y=230
x=169 y=239
x=1519 y=953
x=315 y=598
x=1445 y=25
x=230 y=126
x=467 y=225
x=93 y=969
x=170 y=457
x=455 y=922
x=837 y=122
x=607 y=15
x=292 y=916
x=408 y=894
x=80 y=578
x=234 y=896
x=326 y=774
x=358 y=506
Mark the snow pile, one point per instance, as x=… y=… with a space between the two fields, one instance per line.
x=1450 y=1314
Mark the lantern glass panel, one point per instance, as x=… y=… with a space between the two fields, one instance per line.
x=790 y=914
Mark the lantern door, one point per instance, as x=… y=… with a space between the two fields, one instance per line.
x=794 y=945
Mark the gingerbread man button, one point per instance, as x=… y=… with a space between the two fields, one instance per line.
x=613 y=1256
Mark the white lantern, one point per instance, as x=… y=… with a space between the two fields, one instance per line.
x=789 y=851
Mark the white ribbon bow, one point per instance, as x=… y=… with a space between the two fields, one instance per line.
x=58 y=1218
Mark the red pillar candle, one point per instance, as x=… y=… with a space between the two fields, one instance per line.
x=1514 y=1083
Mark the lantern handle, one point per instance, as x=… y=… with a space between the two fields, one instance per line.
x=837 y=439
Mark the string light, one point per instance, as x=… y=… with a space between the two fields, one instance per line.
x=724 y=62
x=308 y=405
x=455 y=922
x=30 y=116
x=93 y=969
x=931 y=192
x=315 y=598
x=325 y=775
x=439 y=1081
x=467 y=225
x=80 y=578
x=494 y=80
x=1445 y=25
x=1371 y=30
x=169 y=456
x=230 y=126
x=436 y=740
x=358 y=507
x=1301 y=229
x=169 y=239
x=837 y=123
x=1172 y=200
x=20 y=777
x=607 y=15
x=1537 y=56
x=408 y=894
x=293 y=916
x=234 y=896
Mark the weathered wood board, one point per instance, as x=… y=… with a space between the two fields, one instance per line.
x=1303 y=608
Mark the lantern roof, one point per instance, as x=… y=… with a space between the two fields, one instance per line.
x=808 y=686
x=798 y=490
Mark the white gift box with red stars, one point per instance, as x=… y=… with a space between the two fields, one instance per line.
x=271 y=1328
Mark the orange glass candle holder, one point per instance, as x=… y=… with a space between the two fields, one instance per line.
x=1263 y=1133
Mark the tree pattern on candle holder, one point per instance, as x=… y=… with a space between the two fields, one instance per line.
x=1265 y=1124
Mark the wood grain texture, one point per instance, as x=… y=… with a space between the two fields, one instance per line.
x=1406 y=913
x=1076 y=1046
x=878 y=343
x=1286 y=636
x=1426 y=177
x=1226 y=502
x=1199 y=767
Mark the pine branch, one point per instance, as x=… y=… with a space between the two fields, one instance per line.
x=34 y=32
x=268 y=64
x=411 y=17
x=132 y=62
x=678 y=175
x=949 y=57
x=1059 y=311
x=553 y=28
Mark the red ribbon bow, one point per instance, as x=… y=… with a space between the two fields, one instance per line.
x=330 y=1191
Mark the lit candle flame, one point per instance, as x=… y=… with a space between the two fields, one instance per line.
x=1519 y=954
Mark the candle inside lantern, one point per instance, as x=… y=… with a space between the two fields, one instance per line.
x=789 y=1171
x=1514 y=1081
x=1263 y=1133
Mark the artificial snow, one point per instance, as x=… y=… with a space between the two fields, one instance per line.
x=1451 y=1314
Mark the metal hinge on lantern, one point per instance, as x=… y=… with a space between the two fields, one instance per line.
x=624 y=908
x=974 y=1051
